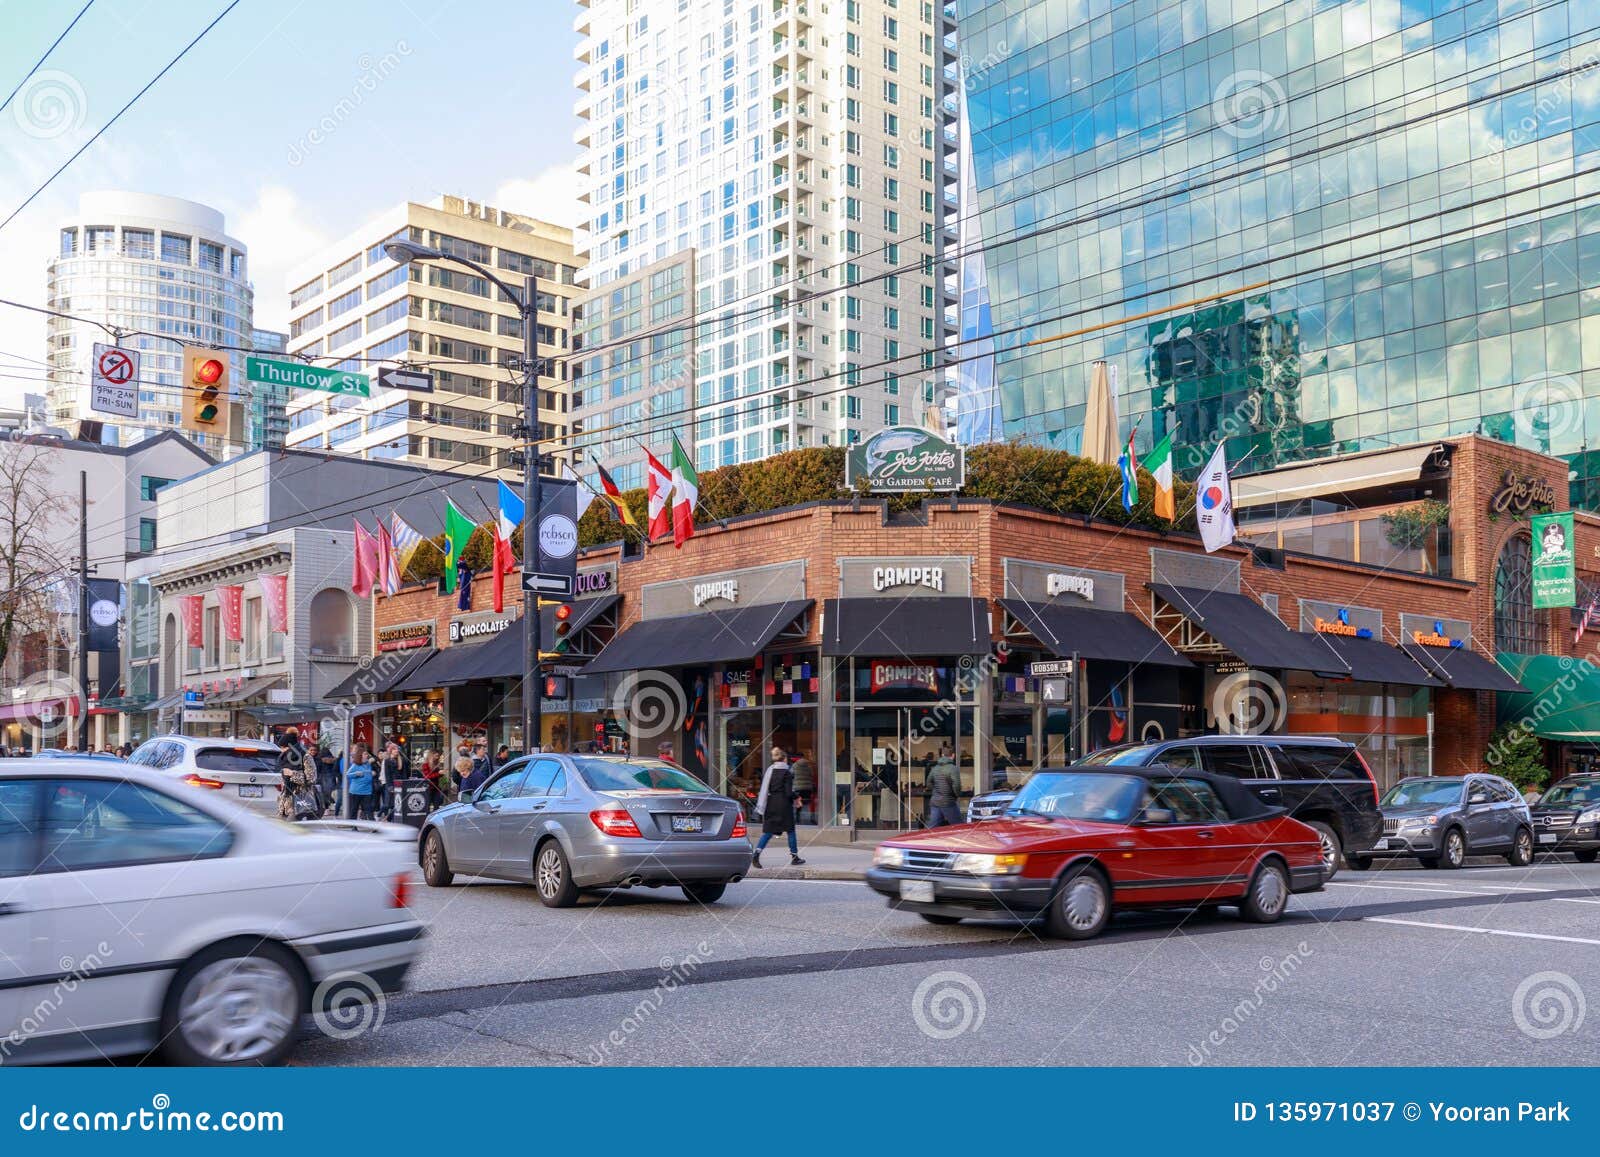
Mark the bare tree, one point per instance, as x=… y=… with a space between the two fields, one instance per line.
x=35 y=521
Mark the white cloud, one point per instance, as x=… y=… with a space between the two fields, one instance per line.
x=550 y=196
x=280 y=233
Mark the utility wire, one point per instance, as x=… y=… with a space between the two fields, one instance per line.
x=54 y=44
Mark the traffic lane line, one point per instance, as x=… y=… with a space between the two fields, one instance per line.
x=1479 y=931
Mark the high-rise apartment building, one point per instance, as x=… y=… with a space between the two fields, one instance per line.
x=770 y=196
x=353 y=308
x=1390 y=209
x=267 y=404
x=163 y=273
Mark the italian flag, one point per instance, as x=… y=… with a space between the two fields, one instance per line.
x=1159 y=463
x=685 y=493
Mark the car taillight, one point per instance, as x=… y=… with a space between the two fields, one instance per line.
x=194 y=780
x=400 y=891
x=739 y=830
x=615 y=822
x=1372 y=779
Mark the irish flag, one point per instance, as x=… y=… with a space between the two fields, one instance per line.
x=1159 y=463
x=685 y=493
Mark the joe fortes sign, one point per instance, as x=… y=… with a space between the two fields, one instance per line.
x=905 y=458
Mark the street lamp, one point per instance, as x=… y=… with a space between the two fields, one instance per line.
x=527 y=303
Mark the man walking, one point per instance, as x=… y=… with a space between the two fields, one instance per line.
x=944 y=789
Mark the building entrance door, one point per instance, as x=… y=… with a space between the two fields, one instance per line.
x=887 y=756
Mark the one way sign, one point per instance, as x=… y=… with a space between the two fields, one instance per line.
x=546 y=584
x=392 y=378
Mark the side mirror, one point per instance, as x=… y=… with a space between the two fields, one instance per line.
x=1477 y=798
x=465 y=796
x=1155 y=815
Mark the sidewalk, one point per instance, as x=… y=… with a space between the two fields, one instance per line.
x=822 y=861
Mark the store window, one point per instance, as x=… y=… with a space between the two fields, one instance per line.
x=1516 y=627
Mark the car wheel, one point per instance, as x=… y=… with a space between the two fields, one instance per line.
x=1358 y=863
x=1332 y=850
x=552 y=877
x=235 y=1004
x=939 y=918
x=1521 y=853
x=704 y=893
x=1453 y=852
x=435 y=864
x=1268 y=894
x=1587 y=856
x=1081 y=907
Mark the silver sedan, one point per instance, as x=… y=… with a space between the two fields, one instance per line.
x=566 y=823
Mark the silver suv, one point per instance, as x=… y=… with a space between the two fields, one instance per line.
x=1442 y=819
x=244 y=771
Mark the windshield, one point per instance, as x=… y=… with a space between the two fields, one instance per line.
x=233 y=759
x=636 y=775
x=1426 y=792
x=1069 y=795
x=1129 y=755
x=1567 y=794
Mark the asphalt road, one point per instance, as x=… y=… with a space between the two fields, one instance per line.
x=1394 y=966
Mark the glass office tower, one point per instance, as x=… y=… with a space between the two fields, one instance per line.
x=1306 y=228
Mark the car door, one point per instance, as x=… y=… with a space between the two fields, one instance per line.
x=474 y=837
x=1481 y=815
x=1250 y=765
x=1510 y=806
x=522 y=817
x=22 y=939
x=1180 y=855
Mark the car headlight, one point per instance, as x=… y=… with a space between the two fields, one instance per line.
x=1592 y=816
x=982 y=864
x=888 y=857
x=1419 y=824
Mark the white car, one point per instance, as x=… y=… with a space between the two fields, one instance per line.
x=137 y=913
x=244 y=771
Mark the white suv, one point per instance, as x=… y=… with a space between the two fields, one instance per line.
x=242 y=770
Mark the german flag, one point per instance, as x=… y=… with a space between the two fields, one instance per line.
x=609 y=491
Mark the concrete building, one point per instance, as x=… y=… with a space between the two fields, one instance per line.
x=353 y=308
x=770 y=190
x=165 y=272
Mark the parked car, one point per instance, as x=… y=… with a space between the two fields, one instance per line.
x=139 y=913
x=1567 y=817
x=1321 y=782
x=1442 y=819
x=58 y=753
x=568 y=823
x=242 y=770
x=1079 y=842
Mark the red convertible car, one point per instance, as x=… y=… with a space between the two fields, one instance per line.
x=1080 y=841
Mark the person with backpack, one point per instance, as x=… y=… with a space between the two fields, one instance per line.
x=297 y=796
x=775 y=807
x=944 y=790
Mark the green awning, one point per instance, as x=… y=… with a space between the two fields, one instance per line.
x=1562 y=701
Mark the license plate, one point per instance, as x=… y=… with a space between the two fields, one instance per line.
x=251 y=791
x=1547 y=838
x=1394 y=843
x=917 y=891
x=688 y=824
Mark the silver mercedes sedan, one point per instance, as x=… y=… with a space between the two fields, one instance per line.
x=567 y=823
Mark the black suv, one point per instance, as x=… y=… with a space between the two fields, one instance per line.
x=1321 y=782
x=1567 y=817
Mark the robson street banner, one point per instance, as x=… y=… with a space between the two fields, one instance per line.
x=1554 y=577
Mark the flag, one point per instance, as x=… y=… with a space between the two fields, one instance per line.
x=275 y=592
x=565 y=470
x=458 y=529
x=388 y=571
x=1159 y=463
x=1591 y=618
x=512 y=511
x=194 y=619
x=1130 y=480
x=685 y=493
x=660 y=492
x=463 y=577
x=1214 y=502
x=406 y=542
x=364 y=566
x=614 y=497
x=230 y=598
x=505 y=562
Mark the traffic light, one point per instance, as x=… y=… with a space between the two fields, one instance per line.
x=563 y=628
x=205 y=391
x=555 y=686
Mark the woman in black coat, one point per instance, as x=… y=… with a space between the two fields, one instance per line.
x=775 y=806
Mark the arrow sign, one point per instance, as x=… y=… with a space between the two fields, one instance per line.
x=546 y=584
x=399 y=378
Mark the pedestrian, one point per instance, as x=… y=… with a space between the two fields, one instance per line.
x=1532 y=794
x=433 y=775
x=360 y=781
x=775 y=806
x=501 y=755
x=944 y=789
x=469 y=775
x=480 y=757
x=327 y=777
x=297 y=796
x=392 y=768
x=805 y=788
x=664 y=752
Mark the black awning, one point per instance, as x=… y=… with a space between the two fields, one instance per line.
x=1374 y=661
x=692 y=640
x=1462 y=668
x=382 y=675
x=500 y=657
x=1251 y=632
x=1092 y=634
x=914 y=628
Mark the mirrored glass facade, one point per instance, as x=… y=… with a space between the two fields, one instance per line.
x=1306 y=228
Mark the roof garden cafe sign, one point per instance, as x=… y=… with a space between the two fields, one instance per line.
x=903 y=458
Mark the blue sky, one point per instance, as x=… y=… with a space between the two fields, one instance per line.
x=459 y=96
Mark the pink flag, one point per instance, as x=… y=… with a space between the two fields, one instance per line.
x=364 y=570
x=194 y=619
x=231 y=600
x=275 y=589
x=388 y=566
